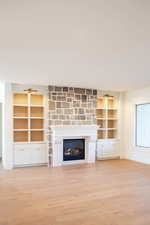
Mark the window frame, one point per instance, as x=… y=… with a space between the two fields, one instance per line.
x=136 y=111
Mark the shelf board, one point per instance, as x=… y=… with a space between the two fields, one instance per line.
x=111 y=128
x=28 y=129
x=107 y=108
x=107 y=118
x=17 y=117
x=102 y=108
x=36 y=117
x=37 y=129
x=112 y=118
x=101 y=118
x=37 y=106
x=23 y=105
x=107 y=129
x=112 y=108
x=20 y=130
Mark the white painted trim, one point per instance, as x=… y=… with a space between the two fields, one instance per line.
x=7 y=153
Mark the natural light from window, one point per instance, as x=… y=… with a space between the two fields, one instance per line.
x=143 y=125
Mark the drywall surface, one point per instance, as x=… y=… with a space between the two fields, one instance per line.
x=132 y=151
x=0 y=130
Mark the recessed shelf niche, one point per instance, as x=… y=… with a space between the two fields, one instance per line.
x=100 y=103
x=36 y=99
x=20 y=111
x=101 y=113
x=112 y=113
x=36 y=123
x=101 y=123
x=37 y=111
x=21 y=99
x=112 y=103
x=112 y=134
x=112 y=124
x=21 y=124
x=20 y=136
x=37 y=136
x=101 y=134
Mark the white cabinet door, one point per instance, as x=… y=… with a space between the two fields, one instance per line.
x=110 y=149
x=39 y=154
x=22 y=155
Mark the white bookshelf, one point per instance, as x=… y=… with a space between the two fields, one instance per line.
x=29 y=129
x=107 y=117
x=28 y=117
x=108 y=132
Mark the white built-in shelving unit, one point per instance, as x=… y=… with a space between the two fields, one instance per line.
x=29 y=114
x=108 y=127
x=28 y=117
x=107 y=117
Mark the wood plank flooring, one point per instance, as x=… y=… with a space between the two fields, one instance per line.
x=114 y=192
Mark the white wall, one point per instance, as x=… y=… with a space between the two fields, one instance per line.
x=131 y=151
x=0 y=130
x=1 y=121
x=6 y=100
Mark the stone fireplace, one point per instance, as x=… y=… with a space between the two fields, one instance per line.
x=72 y=115
x=80 y=144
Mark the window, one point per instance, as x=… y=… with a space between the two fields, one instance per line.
x=143 y=125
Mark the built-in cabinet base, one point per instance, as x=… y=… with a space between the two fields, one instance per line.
x=30 y=154
x=107 y=149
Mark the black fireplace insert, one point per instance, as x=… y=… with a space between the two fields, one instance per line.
x=73 y=149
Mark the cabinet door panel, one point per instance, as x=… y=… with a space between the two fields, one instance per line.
x=39 y=155
x=22 y=155
x=111 y=149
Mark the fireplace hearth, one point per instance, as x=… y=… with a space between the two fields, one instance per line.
x=73 y=149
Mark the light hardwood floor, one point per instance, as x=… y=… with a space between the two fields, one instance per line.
x=115 y=192
x=1 y=163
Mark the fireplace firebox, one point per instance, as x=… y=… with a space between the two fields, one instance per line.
x=73 y=149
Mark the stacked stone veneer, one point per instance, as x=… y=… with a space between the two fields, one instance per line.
x=71 y=106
